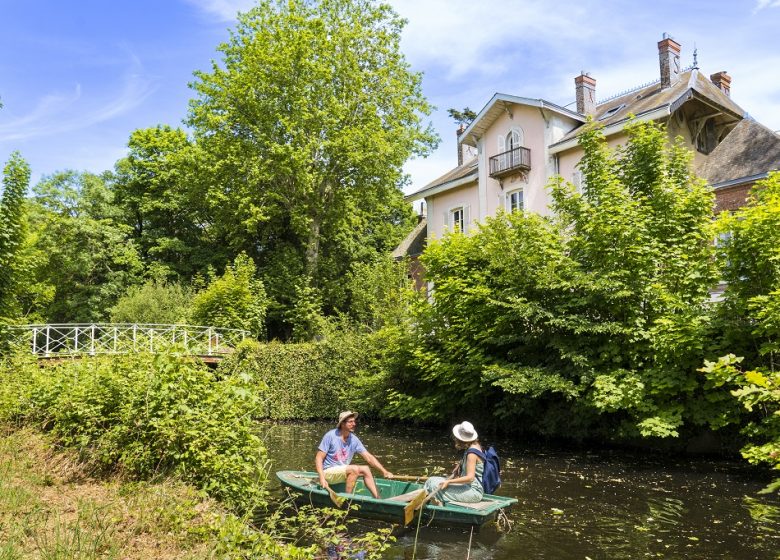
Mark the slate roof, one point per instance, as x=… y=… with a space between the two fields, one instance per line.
x=461 y=172
x=749 y=150
x=414 y=243
x=651 y=97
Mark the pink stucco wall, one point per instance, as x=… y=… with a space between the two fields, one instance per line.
x=531 y=122
x=438 y=205
x=568 y=160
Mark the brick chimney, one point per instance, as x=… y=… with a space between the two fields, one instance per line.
x=458 y=146
x=723 y=81
x=669 y=58
x=585 y=88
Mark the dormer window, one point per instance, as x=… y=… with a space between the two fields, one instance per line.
x=611 y=111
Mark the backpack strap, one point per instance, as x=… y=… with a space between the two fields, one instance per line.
x=478 y=453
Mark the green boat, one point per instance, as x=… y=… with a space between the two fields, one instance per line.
x=394 y=495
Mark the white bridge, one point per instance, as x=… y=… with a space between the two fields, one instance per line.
x=79 y=339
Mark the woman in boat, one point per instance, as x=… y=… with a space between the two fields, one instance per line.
x=466 y=483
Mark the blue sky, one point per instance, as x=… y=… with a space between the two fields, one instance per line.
x=78 y=76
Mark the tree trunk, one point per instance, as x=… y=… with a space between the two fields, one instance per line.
x=313 y=246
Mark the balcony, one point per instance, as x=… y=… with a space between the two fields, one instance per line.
x=516 y=160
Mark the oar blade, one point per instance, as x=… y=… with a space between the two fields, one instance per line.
x=335 y=498
x=413 y=504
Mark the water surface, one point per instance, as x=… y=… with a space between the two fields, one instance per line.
x=574 y=504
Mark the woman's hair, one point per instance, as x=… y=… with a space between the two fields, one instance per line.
x=459 y=444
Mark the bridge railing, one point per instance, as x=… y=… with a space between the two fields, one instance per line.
x=121 y=338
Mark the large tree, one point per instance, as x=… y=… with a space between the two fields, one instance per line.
x=306 y=122
x=154 y=186
x=89 y=258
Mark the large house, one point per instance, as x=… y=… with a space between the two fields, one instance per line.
x=508 y=153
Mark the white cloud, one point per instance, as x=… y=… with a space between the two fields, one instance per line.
x=57 y=113
x=761 y=4
x=225 y=10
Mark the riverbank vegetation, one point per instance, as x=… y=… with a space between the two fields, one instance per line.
x=155 y=452
x=277 y=216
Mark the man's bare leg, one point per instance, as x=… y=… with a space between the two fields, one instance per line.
x=368 y=480
x=353 y=473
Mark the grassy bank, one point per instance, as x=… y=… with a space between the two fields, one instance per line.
x=50 y=507
x=157 y=457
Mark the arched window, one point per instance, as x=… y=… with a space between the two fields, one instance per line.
x=514 y=139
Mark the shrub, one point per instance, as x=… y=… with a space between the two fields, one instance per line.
x=312 y=379
x=235 y=300
x=147 y=416
x=153 y=302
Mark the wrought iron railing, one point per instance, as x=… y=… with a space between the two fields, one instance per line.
x=121 y=338
x=511 y=161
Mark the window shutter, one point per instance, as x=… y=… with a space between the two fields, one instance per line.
x=448 y=220
x=466 y=218
x=501 y=144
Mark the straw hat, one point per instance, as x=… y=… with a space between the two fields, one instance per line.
x=344 y=415
x=465 y=432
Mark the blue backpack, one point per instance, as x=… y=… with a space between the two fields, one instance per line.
x=491 y=475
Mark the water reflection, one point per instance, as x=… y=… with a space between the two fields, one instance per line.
x=574 y=504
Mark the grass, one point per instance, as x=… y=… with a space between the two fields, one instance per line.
x=51 y=509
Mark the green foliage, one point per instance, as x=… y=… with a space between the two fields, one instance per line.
x=16 y=179
x=304 y=126
x=750 y=251
x=758 y=391
x=147 y=416
x=84 y=255
x=464 y=117
x=595 y=319
x=379 y=292
x=305 y=316
x=235 y=300
x=155 y=301
x=154 y=191
x=312 y=380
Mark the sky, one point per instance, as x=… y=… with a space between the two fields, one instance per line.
x=78 y=76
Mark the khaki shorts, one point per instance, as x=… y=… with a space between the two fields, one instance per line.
x=334 y=475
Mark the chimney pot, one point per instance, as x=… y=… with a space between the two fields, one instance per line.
x=669 y=60
x=585 y=89
x=723 y=81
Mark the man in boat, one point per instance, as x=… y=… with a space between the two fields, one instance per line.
x=335 y=453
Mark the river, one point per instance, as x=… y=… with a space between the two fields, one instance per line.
x=574 y=504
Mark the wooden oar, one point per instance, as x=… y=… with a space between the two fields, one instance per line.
x=418 y=502
x=335 y=498
x=409 y=477
x=415 y=502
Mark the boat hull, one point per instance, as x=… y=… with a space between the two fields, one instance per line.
x=305 y=485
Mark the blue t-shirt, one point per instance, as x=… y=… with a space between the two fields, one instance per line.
x=337 y=451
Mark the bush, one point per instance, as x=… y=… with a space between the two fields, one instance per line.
x=153 y=302
x=147 y=416
x=235 y=300
x=312 y=379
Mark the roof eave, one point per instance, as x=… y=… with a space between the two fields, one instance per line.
x=476 y=128
x=740 y=181
x=436 y=189
x=614 y=128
